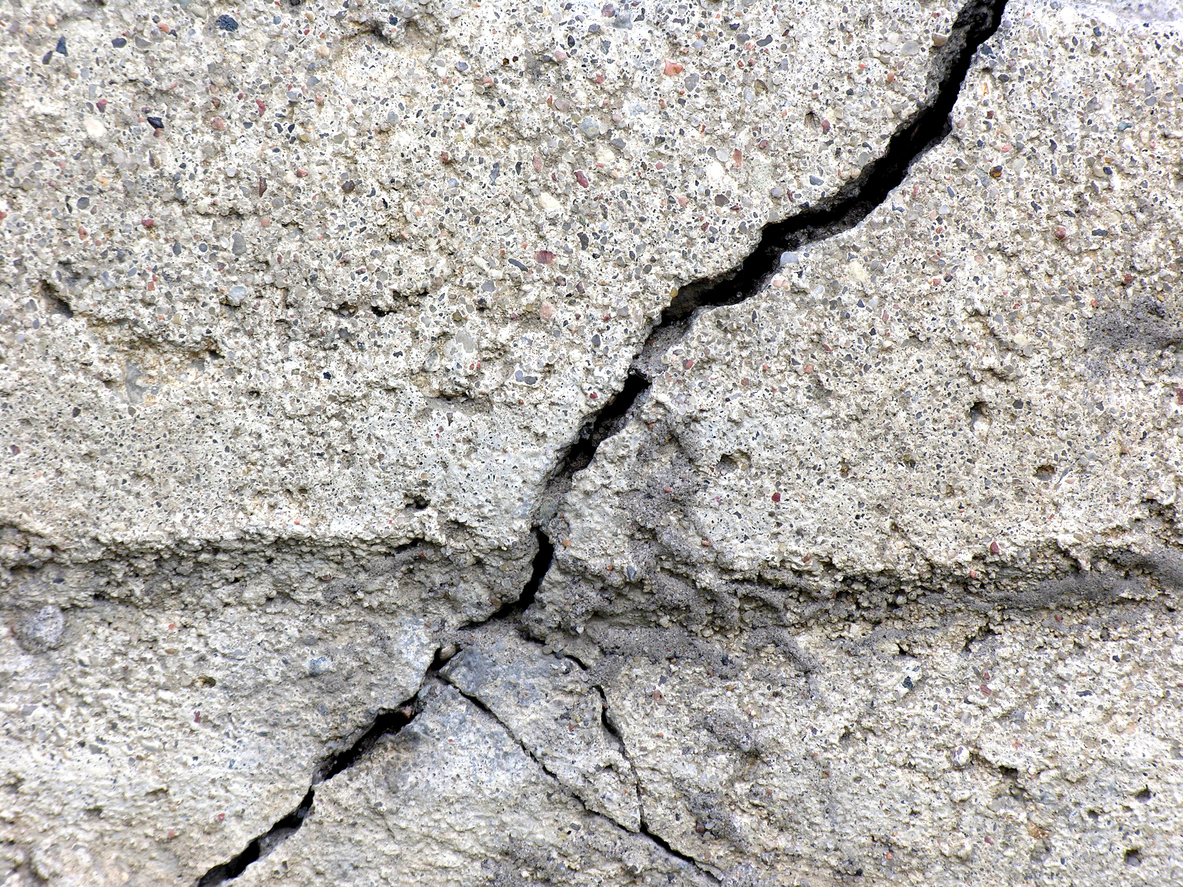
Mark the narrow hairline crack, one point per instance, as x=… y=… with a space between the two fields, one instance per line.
x=643 y=831
x=846 y=208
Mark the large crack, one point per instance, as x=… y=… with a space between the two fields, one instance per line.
x=852 y=203
x=845 y=209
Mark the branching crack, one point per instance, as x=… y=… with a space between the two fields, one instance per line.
x=976 y=23
x=656 y=839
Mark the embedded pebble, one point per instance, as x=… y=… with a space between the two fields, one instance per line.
x=40 y=631
x=590 y=127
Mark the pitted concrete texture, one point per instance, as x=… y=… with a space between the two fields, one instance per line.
x=1031 y=748
x=304 y=304
x=555 y=710
x=168 y=740
x=308 y=310
x=358 y=274
x=882 y=572
x=975 y=393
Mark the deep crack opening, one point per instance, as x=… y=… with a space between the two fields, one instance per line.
x=852 y=203
x=514 y=607
x=260 y=846
x=975 y=24
x=385 y=723
x=609 y=420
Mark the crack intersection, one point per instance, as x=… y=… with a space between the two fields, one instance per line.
x=845 y=209
x=643 y=831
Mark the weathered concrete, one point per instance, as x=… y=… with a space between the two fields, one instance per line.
x=960 y=420
x=550 y=706
x=307 y=304
x=454 y=799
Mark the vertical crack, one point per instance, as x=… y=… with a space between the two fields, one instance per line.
x=614 y=730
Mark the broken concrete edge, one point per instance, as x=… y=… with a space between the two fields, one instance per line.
x=977 y=22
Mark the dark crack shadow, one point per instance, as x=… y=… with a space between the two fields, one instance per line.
x=643 y=831
x=260 y=846
x=674 y=852
x=385 y=723
x=852 y=203
x=848 y=206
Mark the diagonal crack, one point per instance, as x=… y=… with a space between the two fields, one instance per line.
x=929 y=126
x=846 y=208
x=976 y=23
x=386 y=722
x=656 y=839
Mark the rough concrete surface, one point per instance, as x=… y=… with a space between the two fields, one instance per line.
x=454 y=799
x=590 y=443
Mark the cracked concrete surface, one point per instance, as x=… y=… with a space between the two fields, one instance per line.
x=312 y=334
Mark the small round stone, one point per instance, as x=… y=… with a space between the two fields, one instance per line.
x=41 y=631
